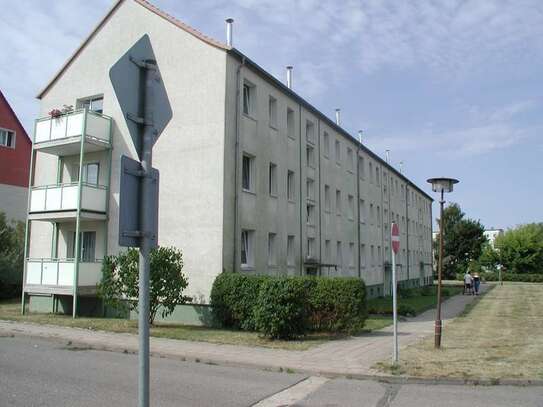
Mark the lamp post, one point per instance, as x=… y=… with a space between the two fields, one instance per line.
x=440 y=185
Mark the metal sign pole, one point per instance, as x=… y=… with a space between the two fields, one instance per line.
x=146 y=238
x=394 y=309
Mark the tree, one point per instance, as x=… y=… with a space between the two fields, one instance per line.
x=11 y=256
x=463 y=240
x=120 y=279
x=520 y=250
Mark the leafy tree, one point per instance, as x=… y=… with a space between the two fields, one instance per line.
x=463 y=240
x=520 y=250
x=120 y=279
x=11 y=256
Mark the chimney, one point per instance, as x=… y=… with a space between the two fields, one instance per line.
x=289 y=77
x=229 y=23
x=387 y=153
x=360 y=136
x=338 y=117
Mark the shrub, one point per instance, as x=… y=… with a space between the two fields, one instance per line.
x=337 y=304
x=11 y=257
x=281 y=310
x=406 y=310
x=233 y=297
x=120 y=278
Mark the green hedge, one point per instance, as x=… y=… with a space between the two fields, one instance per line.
x=516 y=277
x=287 y=307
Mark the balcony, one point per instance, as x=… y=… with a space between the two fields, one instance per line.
x=57 y=276
x=60 y=201
x=62 y=135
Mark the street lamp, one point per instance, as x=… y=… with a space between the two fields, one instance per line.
x=440 y=185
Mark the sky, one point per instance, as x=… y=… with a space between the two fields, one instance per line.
x=452 y=88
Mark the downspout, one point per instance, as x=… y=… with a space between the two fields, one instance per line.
x=320 y=186
x=236 y=165
x=407 y=228
x=301 y=190
x=358 y=209
x=27 y=223
x=431 y=242
x=380 y=225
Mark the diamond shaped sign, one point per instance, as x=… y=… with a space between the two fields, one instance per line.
x=127 y=78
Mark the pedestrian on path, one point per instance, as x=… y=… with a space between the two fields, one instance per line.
x=468 y=283
x=476 y=283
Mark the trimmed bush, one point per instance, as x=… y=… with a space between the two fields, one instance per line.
x=337 y=304
x=287 y=307
x=282 y=308
x=233 y=297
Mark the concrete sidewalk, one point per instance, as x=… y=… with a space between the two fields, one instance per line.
x=352 y=357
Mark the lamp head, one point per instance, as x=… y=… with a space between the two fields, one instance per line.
x=442 y=184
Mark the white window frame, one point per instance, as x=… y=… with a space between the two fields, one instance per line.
x=310 y=155
x=6 y=133
x=251 y=169
x=246 y=246
x=249 y=99
x=91 y=101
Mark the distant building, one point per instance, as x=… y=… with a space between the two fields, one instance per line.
x=15 y=150
x=492 y=234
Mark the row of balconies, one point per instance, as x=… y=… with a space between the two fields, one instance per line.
x=59 y=273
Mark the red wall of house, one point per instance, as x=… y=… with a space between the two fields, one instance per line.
x=14 y=163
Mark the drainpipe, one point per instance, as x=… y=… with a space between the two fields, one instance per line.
x=358 y=204
x=407 y=228
x=236 y=165
x=320 y=186
x=301 y=189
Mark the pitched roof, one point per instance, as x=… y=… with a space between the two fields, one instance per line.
x=102 y=22
x=6 y=103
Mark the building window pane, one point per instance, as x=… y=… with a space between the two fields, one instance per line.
x=272 y=258
x=246 y=248
x=7 y=138
x=290 y=250
x=246 y=173
x=290 y=123
x=272 y=111
x=272 y=179
x=290 y=185
x=310 y=132
x=310 y=156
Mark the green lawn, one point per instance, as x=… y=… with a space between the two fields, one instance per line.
x=500 y=335
x=412 y=302
x=12 y=311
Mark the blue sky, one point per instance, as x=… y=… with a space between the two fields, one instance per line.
x=452 y=88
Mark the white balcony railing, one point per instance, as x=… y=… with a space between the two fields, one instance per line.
x=97 y=126
x=63 y=197
x=60 y=272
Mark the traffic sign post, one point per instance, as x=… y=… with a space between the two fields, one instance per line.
x=395 y=246
x=142 y=97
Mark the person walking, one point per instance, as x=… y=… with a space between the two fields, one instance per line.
x=476 y=283
x=468 y=280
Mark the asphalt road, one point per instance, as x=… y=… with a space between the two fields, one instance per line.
x=35 y=372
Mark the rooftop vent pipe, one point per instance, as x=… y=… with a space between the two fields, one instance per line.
x=401 y=167
x=387 y=153
x=289 y=77
x=360 y=136
x=229 y=27
x=338 y=117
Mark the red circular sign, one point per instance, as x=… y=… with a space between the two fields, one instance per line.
x=395 y=237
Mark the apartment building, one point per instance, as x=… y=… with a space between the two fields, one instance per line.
x=253 y=178
x=15 y=149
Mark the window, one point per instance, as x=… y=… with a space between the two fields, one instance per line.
x=290 y=250
x=310 y=214
x=362 y=170
x=350 y=160
x=272 y=112
x=290 y=123
x=372 y=257
x=362 y=255
x=272 y=179
x=7 y=138
x=371 y=172
x=310 y=132
x=350 y=201
x=310 y=184
x=247 y=173
x=310 y=156
x=339 y=255
x=378 y=220
x=272 y=255
x=327 y=198
x=338 y=201
x=338 y=152
x=372 y=216
x=327 y=251
x=311 y=247
x=249 y=99
x=326 y=144
x=351 y=254
x=94 y=104
x=362 y=211
x=87 y=245
x=378 y=255
x=91 y=171
x=290 y=185
x=377 y=179
x=247 y=248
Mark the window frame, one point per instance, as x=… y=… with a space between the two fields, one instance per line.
x=10 y=143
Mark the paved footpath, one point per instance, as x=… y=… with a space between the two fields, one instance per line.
x=352 y=357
